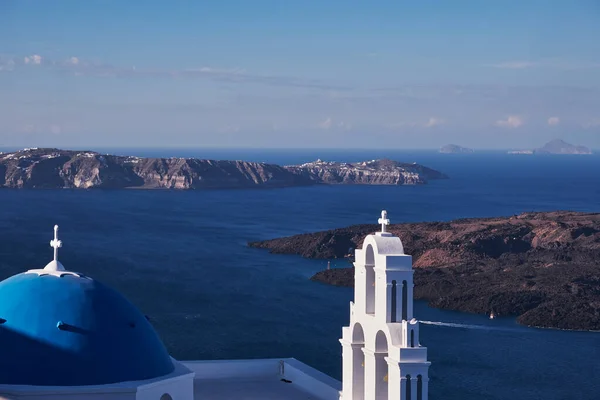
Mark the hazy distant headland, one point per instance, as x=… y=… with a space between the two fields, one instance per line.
x=55 y=168
x=555 y=147
x=455 y=149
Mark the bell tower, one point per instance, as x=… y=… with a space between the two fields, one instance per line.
x=382 y=356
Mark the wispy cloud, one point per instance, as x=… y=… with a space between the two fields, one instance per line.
x=329 y=123
x=593 y=123
x=512 y=121
x=554 y=64
x=80 y=67
x=325 y=124
x=514 y=65
x=34 y=59
x=6 y=63
x=434 y=122
x=39 y=128
x=430 y=123
x=553 y=121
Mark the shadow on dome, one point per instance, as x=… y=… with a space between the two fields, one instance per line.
x=19 y=370
x=70 y=331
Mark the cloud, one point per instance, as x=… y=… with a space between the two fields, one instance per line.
x=514 y=65
x=329 y=123
x=34 y=59
x=553 y=121
x=232 y=128
x=401 y=124
x=39 y=128
x=434 y=122
x=214 y=71
x=555 y=64
x=325 y=124
x=430 y=123
x=6 y=64
x=512 y=121
x=595 y=122
x=80 y=67
x=344 y=125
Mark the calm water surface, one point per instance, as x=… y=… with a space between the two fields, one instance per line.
x=182 y=258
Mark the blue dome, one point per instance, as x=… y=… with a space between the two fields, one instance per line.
x=69 y=330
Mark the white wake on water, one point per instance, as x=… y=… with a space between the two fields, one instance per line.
x=468 y=326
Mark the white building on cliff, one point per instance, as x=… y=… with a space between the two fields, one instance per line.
x=64 y=335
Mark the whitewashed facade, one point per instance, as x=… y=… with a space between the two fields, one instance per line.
x=382 y=356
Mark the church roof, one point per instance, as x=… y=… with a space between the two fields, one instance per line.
x=60 y=328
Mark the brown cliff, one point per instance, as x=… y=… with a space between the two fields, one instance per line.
x=542 y=267
x=54 y=168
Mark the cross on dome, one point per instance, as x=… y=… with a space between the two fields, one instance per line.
x=383 y=221
x=55 y=243
x=55 y=265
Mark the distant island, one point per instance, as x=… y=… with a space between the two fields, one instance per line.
x=455 y=149
x=555 y=147
x=55 y=168
x=543 y=268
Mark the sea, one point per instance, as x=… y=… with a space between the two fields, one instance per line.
x=182 y=258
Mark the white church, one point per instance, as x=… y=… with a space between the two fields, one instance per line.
x=64 y=335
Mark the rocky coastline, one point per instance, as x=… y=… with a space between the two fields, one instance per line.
x=55 y=168
x=543 y=268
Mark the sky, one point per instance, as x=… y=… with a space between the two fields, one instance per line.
x=299 y=73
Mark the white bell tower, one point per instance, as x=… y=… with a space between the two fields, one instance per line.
x=382 y=356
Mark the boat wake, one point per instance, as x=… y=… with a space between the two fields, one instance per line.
x=467 y=326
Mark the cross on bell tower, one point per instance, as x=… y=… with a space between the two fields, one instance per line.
x=383 y=221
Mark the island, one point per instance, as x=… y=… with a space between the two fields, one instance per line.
x=374 y=172
x=543 y=268
x=455 y=149
x=520 y=152
x=557 y=146
x=55 y=168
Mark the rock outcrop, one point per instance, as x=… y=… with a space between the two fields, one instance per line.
x=455 y=149
x=542 y=267
x=54 y=168
x=555 y=147
x=561 y=147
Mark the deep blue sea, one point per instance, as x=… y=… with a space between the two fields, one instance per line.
x=181 y=257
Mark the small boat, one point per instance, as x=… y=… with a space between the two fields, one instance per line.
x=492 y=315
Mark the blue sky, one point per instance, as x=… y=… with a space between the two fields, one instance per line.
x=328 y=73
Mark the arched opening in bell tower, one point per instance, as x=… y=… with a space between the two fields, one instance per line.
x=412 y=338
x=370 y=280
x=404 y=300
x=419 y=387
x=394 y=301
x=358 y=362
x=381 y=367
x=408 y=388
